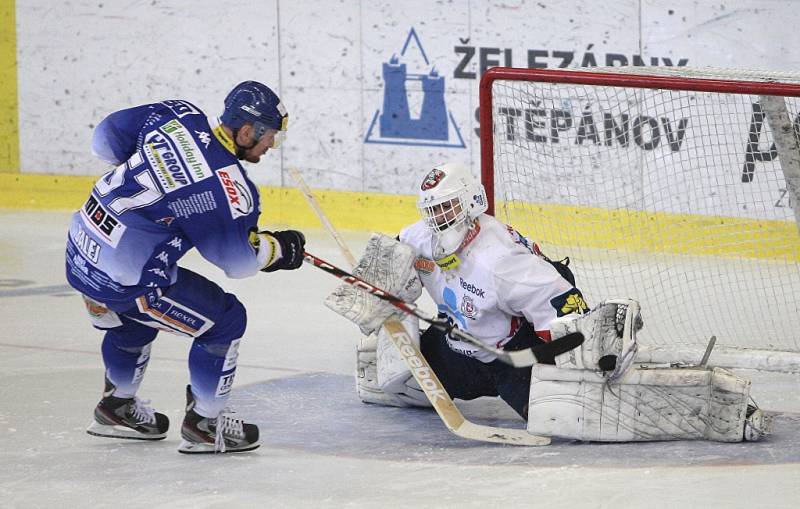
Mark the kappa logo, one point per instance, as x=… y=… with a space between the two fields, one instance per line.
x=240 y=201
x=177 y=243
x=432 y=179
x=204 y=138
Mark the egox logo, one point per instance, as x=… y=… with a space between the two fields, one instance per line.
x=240 y=200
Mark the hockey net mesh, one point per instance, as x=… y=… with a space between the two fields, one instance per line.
x=675 y=198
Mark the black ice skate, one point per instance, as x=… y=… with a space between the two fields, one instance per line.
x=225 y=433
x=127 y=418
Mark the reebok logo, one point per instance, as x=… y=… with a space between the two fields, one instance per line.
x=478 y=292
x=422 y=372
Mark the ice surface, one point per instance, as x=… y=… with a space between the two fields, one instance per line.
x=320 y=446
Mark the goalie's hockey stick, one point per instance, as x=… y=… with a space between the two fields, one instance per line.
x=517 y=358
x=440 y=400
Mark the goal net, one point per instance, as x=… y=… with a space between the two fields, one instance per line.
x=677 y=187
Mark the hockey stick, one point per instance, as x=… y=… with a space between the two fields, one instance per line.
x=707 y=354
x=517 y=358
x=441 y=401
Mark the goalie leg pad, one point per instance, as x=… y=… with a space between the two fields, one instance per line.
x=394 y=376
x=387 y=264
x=367 y=387
x=382 y=376
x=645 y=405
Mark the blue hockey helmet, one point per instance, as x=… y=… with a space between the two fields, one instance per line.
x=253 y=102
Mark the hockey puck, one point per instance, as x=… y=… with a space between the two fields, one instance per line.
x=607 y=362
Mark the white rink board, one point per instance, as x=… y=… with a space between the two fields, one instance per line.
x=79 y=60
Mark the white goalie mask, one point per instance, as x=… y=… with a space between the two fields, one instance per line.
x=450 y=198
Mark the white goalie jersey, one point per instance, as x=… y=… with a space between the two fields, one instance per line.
x=490 y=283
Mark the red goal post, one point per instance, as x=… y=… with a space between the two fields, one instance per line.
x=640 y=176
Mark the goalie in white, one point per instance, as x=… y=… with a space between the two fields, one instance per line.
x=491 y=282
x=484 y=277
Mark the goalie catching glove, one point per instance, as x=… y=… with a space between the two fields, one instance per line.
x=388 y=264
x=610 y=337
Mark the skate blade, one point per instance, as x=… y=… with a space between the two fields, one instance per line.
x=187 y=447
x=112 y=431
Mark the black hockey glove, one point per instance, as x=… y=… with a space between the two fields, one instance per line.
x=292 y=244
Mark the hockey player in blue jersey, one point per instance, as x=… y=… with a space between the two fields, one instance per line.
x=177 y=184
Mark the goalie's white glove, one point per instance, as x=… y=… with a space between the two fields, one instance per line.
x=388 y=264
x=610 y=337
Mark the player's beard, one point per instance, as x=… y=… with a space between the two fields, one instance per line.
x=245 y=154
x=241 y=153
x=251 y=158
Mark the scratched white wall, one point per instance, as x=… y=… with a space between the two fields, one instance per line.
x=79 y=60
